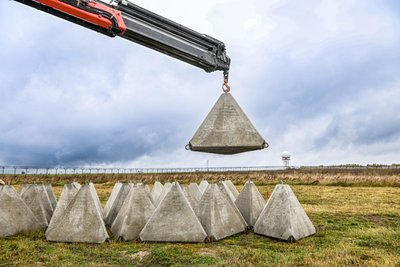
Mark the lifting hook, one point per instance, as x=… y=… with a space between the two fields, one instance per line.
x=225 y=86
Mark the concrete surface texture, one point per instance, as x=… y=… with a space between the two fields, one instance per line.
x=77 y=185
x=147 y=191
x=156 y=191
x=218 y=215
x=36 y=198
x=111 y=199
x=225 y=189
x=203 y=186
x=173 y=220
x=23 y=188
x=117 y=204
x=134 y=214
x=226 y=130
x=188 y=194
x=81 y=221
x=147 y=188
x=250 y=203
x=67 y=195
x=96 y=198
x=196 y=193
x=52 y=196
x=283 y=217
x=15 y=215
x=166 y=188
x=232 y=187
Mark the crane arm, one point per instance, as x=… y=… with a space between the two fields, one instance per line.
x=124 y=19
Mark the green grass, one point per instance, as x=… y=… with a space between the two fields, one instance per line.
x=356 y=226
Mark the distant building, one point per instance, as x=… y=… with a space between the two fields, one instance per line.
x=286 y=158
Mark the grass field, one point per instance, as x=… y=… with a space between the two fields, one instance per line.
x=357 y=225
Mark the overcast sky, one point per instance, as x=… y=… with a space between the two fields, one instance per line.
x=320 y=79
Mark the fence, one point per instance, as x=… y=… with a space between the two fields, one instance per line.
x=24 y=170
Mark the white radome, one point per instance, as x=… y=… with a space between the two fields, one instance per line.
x=285 y=154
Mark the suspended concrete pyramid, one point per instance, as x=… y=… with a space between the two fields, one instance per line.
x=36 y=198
x=15 y=215
x=81 y=221
x=226 y=130
x=283 y=217
x=118 y=202
x=203 y=186
x=156 y=191
x=134 y=214
x=112 y=198
x=67 y=195
x=173 y=220
x=250 y=203
x=218 y=215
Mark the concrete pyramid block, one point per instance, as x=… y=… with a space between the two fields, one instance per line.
x=134 y=214
x=23 y=188
x=188 y=194
x=15 y=215
x=77 y=185
x=111 y=199
x=67 y=195
x=117 y=204
x=147 y=191
x=96 y=198
x=226 y=130
x=283 y=217
x=218 y=214
x=232 y=187
x=195 y=191
x=225 y=189
x=52 y=196
x=173 y=220
x=37 y=199
x=166 y=188
x=156 y=191
x=203 y=186
x=81 y=221
x=250 y=203
x=146 y=187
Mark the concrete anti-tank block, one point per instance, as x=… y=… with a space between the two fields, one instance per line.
x=219 y=215
x=36 y=198
x=250 y=203
x=15 y=215
x=81 y=222
x=134 y=214
x=283 y=217
x=173 y=220
x=67 y=195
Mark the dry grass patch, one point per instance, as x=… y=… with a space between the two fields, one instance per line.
x=356 y=226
